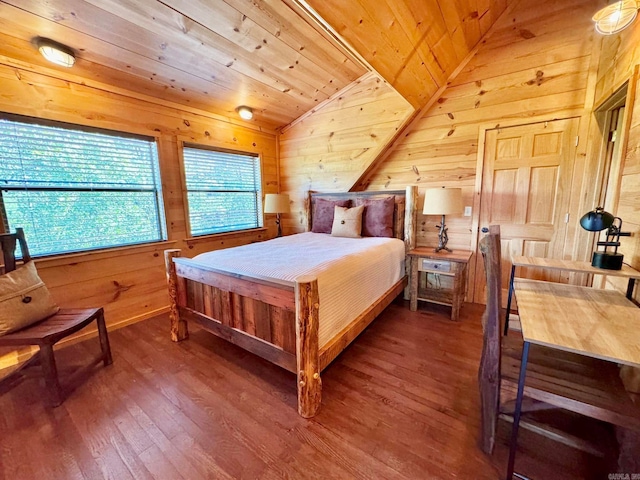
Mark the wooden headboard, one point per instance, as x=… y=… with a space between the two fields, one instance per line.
x=404 y=213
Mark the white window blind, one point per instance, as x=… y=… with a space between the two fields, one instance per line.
x=77 y=189
x=224 y=190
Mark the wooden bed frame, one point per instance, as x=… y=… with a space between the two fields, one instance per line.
x=276 y=321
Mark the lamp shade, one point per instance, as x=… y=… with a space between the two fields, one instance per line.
x=443 y=201
x=616 y=17
x=596 y=220
x=276 y=203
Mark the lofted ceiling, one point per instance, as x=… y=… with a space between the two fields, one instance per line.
x=415 y=45
x=281 y=57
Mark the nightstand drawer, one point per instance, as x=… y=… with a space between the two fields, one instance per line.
x=428 y=265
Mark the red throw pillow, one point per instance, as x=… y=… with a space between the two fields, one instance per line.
x=323 y=214
x=377 y=218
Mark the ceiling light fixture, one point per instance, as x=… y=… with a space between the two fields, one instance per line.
x=616 y=17
x=245 y=112
x=56 y=52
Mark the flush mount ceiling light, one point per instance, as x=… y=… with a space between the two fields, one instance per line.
x=616 y=17
x=245 y=112
x=56 y=52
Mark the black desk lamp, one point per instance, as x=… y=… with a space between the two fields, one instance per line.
x=596 y=221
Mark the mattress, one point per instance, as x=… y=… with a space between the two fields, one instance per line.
x=352 y=272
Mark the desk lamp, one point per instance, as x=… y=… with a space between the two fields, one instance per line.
x=596 y=221
x=276 y=203
x=442 y=201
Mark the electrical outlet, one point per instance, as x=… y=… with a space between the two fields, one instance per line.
x=467 y=211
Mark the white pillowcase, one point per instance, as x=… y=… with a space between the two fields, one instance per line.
x=347 y=222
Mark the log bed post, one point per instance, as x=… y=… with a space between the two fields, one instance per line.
x=179 y=329
x=410 y=229
x=410 y=217
x=307 y=349
x=308 y=207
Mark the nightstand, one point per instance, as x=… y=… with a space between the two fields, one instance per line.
x=429 y=267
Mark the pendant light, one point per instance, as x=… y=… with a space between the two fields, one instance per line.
x=616 y=17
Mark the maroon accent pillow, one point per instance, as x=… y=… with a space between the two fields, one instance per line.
x=323 y=214
x=377 y=218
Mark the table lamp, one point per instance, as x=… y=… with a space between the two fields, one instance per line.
x=596 y=221
x=276 y=203
x=442 y=201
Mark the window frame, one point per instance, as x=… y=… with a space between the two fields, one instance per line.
x=185 y=192
x=160 y=216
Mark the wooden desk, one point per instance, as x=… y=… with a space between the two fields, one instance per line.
x=570 y=266
x=588 y=321
x=449 y=264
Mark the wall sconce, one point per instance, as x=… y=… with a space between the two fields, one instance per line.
x=596 y=221
x=276 y=203
x=245 y=112
x=616 y=17
x=56 y=52
x=442 y=201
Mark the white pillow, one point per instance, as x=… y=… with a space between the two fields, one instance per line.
x=347 y=222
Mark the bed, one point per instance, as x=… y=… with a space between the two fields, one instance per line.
x=294 y=314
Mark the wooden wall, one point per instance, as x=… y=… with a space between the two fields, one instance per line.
x=130 y=282
x=535 y=66
x=328 y=149
x=619 y=63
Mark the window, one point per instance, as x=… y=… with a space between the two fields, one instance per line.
x=224 y=190
x=75 y=189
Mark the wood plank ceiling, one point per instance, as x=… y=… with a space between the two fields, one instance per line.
x=414 y=44
x=268 y=54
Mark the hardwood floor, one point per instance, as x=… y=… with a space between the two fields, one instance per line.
x=401 y=402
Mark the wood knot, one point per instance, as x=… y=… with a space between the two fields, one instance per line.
x=527 y=34
x=120 y=288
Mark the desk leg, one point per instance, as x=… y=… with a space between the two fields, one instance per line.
x=630 y=285
x=516 y=415
x=506 y=320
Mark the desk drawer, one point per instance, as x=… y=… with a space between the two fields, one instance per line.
x=428 y=265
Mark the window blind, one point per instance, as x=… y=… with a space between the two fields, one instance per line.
x=74 y=190
x=224 y=190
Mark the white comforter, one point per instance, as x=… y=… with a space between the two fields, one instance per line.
x=351 y=272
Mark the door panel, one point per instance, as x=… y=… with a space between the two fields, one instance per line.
x=526 y=189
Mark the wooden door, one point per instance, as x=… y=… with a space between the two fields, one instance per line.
x=526 y=184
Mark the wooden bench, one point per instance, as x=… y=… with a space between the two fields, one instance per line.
x=46 y=333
